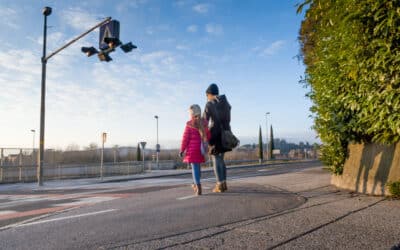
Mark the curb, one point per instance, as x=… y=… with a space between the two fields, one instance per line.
x=132 y=178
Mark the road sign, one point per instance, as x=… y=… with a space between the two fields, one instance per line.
x=110 y=29
x=158 y=148
x=104 y=137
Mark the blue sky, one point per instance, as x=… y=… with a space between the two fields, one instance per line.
x=247 y=47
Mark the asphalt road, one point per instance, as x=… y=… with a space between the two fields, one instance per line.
x=163 y=213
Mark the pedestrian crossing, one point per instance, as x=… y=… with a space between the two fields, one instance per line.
x=19 y=206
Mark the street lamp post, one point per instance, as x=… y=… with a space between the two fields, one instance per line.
x=266 y=135
x=46 y=12
x=158 y=145
x=103 y=140
x=33 y=141
x=33 y=145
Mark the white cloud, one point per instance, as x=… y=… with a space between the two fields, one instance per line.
x=20 y=62
x=80 y=19
x=53 y=39
x=9 y=17
x=149 y=30
x=181 y=3
x=202 y=8
x=182 y=47
x=192 y=28
x=128 y=4
x=157 y=29
x=273 y=48
x=214 y=29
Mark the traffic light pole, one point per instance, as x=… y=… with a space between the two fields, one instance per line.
x=47 y=12
x=107 y=20
x=42 y=102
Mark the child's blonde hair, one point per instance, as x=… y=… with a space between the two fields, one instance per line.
x=198 y=123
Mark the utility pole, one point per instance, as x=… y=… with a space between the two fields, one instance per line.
x=103 y=140
x=158 y=145
x=1 y=156
x=266 y=135
x=33 y=146
x=46 y=12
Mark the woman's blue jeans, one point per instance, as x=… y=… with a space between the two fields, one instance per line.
x=196 y=173
x=219 y=167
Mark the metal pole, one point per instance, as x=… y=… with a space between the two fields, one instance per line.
x=20 y=157
x=46 y=12
x=266 y=135
x=144 y=166
x=33 y=141
x=157 y=149
x=1 y=157
x=101 y=160
x=33 y=146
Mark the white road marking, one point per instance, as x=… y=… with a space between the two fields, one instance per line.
x=66 y=218
x=186 y=197
x=5 y=212
x=35 y=219
x=89 y=200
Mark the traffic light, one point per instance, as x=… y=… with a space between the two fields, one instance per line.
x=89 y=51
x=112 y=42
x=104 y=56
x=128 y=47
x=108 y=42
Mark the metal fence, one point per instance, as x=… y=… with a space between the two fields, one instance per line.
x=27 y=173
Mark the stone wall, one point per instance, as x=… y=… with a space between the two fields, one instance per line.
x=369 y=167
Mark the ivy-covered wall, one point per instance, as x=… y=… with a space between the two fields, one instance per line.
x=351 y=50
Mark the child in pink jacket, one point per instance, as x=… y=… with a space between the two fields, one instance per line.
x=194 y=138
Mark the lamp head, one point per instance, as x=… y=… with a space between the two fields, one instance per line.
x=46 y=11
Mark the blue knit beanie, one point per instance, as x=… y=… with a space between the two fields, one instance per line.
x=212 y=89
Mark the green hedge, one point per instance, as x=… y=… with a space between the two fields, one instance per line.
x=351 y=50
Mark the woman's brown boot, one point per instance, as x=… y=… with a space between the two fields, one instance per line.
x=198 y=187
x=224 y=186
x=218 y=188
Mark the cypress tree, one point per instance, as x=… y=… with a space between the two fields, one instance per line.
x=138 y=153
x=271 y=143
x=260 y=146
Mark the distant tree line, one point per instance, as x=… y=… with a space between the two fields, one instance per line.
x=285 y=146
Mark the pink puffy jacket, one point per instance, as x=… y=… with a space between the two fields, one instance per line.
x=191 y=143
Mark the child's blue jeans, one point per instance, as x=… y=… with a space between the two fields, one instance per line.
x=196 y=173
